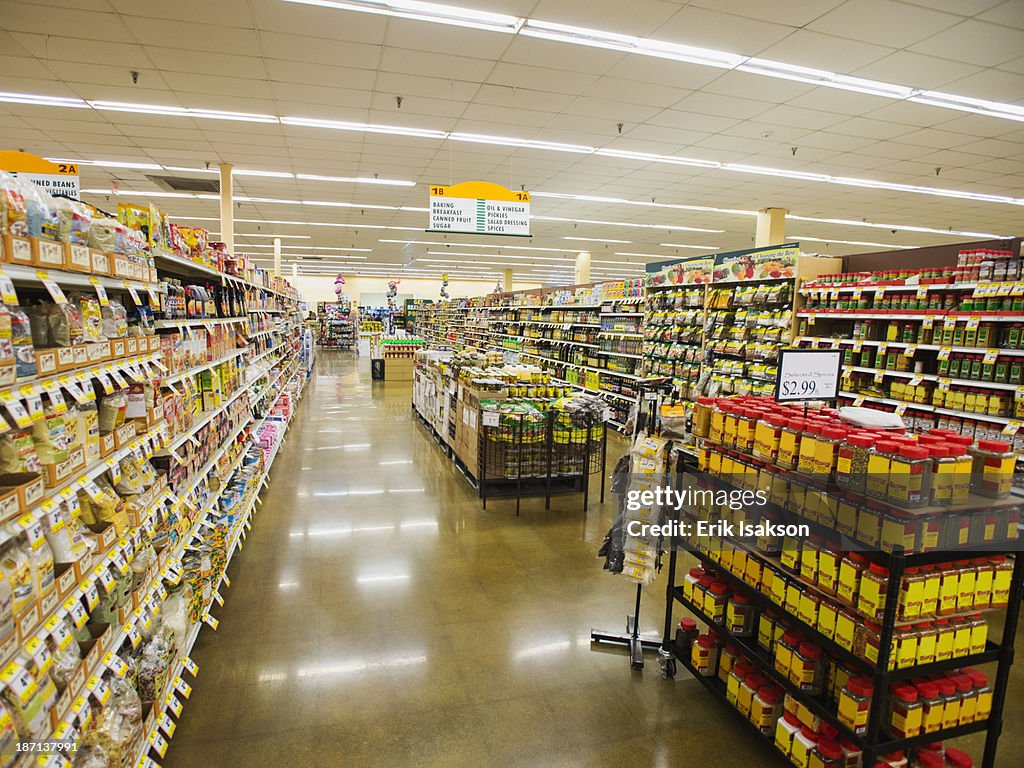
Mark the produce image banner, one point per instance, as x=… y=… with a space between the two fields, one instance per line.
x=770 y=264
x=919 y=512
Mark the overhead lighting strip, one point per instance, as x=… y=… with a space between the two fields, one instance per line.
x=642 y=46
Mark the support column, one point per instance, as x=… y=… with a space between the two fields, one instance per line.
x=771 y=227
x=582 y=267
x=277 y=257
x=295 y=270
x=227 y=211
x=506 y=281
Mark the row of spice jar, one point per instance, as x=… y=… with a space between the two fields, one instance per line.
x=934 y=330
x=958 y=629
x=873 y=523
x=879 y=300
x=924 y=705
x=814 y=445
x=987 y=367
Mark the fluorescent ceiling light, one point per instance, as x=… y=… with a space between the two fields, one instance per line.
x=901 y=227
x=422 y=11
x=308 y=247
x=595 y=240
x=156 y=109
x=109 y=163
x=632 y=224
x=356 y=180
x=268 y=174
x=508 y=141
x=613 y=41
x=650 y=157
x=643 y=255
x=42 y=101
x=566 y=33
x=568 y=251
x=566 y=260
x=259 y=234
x=822 y=77
x=802 y=238
x=340 y=125
x=968 y=104
x=697 y=247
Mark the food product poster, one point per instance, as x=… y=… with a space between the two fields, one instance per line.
x=687 y=272
x=768 y=264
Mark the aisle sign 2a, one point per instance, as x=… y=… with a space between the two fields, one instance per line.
x=479 y=208
x=59 y=179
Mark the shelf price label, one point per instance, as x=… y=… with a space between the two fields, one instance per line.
x=922 y=292
x=167 y=725
x=7 y=290
x=51 y=287
x=17 y=410
x=132 y=292
x=914 y=381
x=929 y=322
x=901 y=409
x=1012 y=428
x=990 y=356
x=973 y=323
x=949 y=322
x=101 y=292
x=944 y=353
x=910 y=351
x=879 y=376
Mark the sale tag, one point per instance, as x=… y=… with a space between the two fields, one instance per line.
x=40 y=653
x=990 y=356
x=134 y=636
x=879 y=376
x=810 y=321
x=91 y=595
x=16 y=409
x=76 y=611
x=154 y=297
x=914 y=381
x=1005 y=289
x=972 y=323
x=7 y=293
x=115 y=470
x=910 y=351
x=858 y=401
x=929 y=322
x=119 y=380
x=33 y=530
x=949 y=322
x=182 y=687
x=133 y=293
x=105 y=382
x=901 y=409
x=158 y=742
x=219 y=600
x=56 y=398
x=212 y=622
x=858 y=345
x=944 y=384
x=118 y=561
x=167 y=725
x=51 y=287
x=101 y=292
x=191 y=666
x=857 y=293
x=227 y=581
x=99 y=689
x=19 y=681
x=115 y=664
x=147 y=762
x=33 y=403
x=883 y=349
x=58 y=630
x=922 y=292
x=102 y=572
x=944 y=353
x=1012 y=428
x=174 y=704
x=80 y=396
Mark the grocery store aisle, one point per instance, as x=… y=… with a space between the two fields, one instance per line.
x=378 y=617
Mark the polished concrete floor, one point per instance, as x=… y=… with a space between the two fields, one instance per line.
x=378 y=617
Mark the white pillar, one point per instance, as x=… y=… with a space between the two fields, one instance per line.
x=506 y=281
x=227 y=211
x=771 y=227
x=277 y=257
x=582 y=267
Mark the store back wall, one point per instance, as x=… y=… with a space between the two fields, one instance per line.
x=313 y=289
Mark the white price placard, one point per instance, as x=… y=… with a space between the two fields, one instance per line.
x=808 y=374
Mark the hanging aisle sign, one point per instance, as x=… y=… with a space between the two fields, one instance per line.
x=479 y=208
x=60 y=179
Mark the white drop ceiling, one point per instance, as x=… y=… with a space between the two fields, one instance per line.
x=275 y=58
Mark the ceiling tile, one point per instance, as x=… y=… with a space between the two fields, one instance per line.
x=720 y=31
x=648 y=94
x=810 y=119
x=228 y=13
x=318 y=74
x=336 y=26
x=1009 y=13
x=721 y=106
x=975 y=42
x=916 y=70
x=433 y=64
x=793 y=13
x=692 y=121
x=882 y=22
x=525 y=76
x=813 y=49
x=553 y=55
x=438 y=38
x=992 y=84
x=638 y=17
x=39 y=19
